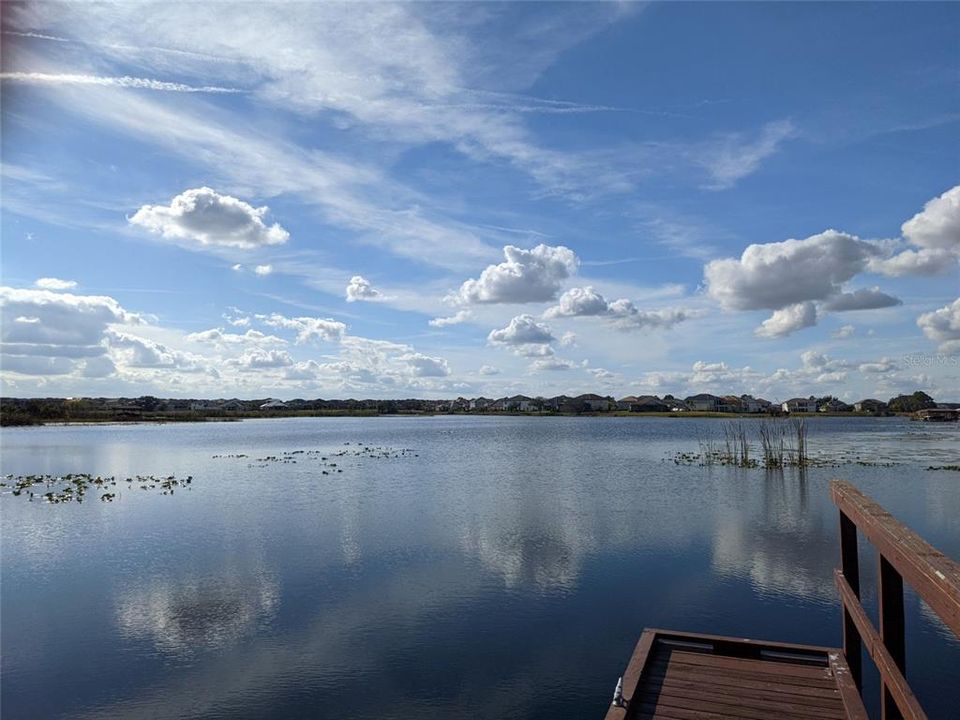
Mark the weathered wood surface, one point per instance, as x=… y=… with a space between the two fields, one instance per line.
x=934 y=576
x=685 y=676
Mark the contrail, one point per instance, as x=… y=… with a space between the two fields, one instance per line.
x=124 y=81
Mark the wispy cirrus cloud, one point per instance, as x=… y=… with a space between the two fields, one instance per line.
x=121 y=81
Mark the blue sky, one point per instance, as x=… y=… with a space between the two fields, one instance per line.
x=433 y=200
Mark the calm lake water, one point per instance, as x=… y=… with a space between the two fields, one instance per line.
x=502 y=569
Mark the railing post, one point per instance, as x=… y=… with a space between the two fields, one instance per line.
x=892 y=633
x=850 y=567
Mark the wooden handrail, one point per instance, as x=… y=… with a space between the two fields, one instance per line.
x=901 y=555
x=934 y=576
x=895 y=682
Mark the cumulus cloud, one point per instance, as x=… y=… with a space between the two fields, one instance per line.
x=844 y=331
x=943 y=326
x=138 y=352
x=455 y=319
x=219 y=336
x=878 y=367
x=935 y=234
x=49 y=283
x=774 y=275
x=307 y=328
x=425 y=366
x=46 y=332
x=551 y=365
x=359 y=288
x=915 y=262
x=797 y=279
x=263 y=270
x=525 y=276
x=522 y=330
x=788 y=320
x=209 y=219
x=489 y=370
x=937 y=226
x=587 y=302
x=863 y=299
x=261 y=359
x=579 y=302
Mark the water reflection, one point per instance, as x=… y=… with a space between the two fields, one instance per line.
x=779 y=544
x=186 y=615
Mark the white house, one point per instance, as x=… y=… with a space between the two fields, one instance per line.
x=800 y=405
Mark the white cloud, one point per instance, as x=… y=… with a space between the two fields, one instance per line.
x=878 y=367
x=138 y=352
x=568 y=339
x=937 y=226
x=263 y=270
x=49 y=283
x=236 y=267
x=359 y=288
x=206 y=217
x=844 y=331
x=551 y=365
x=774 y=275
x=735 y=157
x=935 y=234
x=799 y=279
x=943 y=326
x=525 y=276
x=578 y=302
x=788 y=320
x=455 y=319
x=307 y=328
x=425 y=366
x=122 y=81
x=915 y=262
x=863 y=299
x=399 y=72
x=522 y=330
x=489 y=370
x=219 y=336
x=260 y=359
x=51 y=331
x=587 y=302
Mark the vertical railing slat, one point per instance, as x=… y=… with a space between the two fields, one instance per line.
x=850 y=567
x=892 y=630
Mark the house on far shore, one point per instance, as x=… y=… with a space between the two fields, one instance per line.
x=800 y=405
x=750 y=404
x=520 y=403
x=595 y=403
x=644 y=403
x=273 y=404
x=834 y=405
x=675 y=404
x=870 y=405
x=703 y=402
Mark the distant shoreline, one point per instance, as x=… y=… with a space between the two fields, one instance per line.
x=174 y=419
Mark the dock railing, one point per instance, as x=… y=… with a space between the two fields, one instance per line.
x=901 y=555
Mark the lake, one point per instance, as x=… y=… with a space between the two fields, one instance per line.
x=470 y=567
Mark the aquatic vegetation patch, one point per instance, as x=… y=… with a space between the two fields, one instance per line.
x=323 y=457
x=955 y=468
x=73 y=487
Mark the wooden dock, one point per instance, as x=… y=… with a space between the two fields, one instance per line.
x=687 y=676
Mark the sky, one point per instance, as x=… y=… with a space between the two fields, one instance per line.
x=438 y=200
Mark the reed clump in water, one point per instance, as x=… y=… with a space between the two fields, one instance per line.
x=783 y=443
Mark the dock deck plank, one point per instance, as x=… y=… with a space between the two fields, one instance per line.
x=683 y=676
